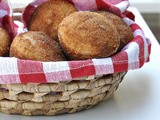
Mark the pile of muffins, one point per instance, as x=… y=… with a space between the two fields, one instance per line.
x=59 y=32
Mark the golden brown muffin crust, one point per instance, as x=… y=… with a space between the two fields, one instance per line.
x=47 y=17
x=36 y=46
x=4 y=42
x=85 y=35
x=123 y=29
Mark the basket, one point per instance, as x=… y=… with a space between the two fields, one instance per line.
x=57 y=98
x=87 y=83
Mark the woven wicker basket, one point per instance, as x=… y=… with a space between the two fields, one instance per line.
x=69 y=96
x=57 y=98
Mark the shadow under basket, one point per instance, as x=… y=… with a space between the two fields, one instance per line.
x=57 y=98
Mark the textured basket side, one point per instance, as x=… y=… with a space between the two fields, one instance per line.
x=49 y=108
x=52 y=99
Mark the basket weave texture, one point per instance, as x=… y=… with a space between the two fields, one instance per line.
x=57 y=98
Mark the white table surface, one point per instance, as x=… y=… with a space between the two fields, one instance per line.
x=137 y=98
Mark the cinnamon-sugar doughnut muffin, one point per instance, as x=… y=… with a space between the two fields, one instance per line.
x=123 y=29
x=4 y=42
x=86 y=35
x=36 y=46
x=47 y=17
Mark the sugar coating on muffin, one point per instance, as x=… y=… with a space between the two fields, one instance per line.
x=123 y=29
x=36 y=46
x=47 y=17
x=86 y=35
x=4 y=42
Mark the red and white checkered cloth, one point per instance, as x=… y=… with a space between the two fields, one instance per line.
x=133 y=55
x=6 y=20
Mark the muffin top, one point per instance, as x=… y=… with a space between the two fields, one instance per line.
x=122 y=28
x=85 y=35
x=47 y=16
x=36 y=46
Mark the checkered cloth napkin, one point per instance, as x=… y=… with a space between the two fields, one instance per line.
x=6 y=21
x=133 y=55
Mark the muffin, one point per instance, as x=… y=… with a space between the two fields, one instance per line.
x=86 y=35
x=36 y=46
x=47 y=17
x=123 y=29
x=4 y=42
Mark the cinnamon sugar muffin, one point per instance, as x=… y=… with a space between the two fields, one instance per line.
x=123 y=29
x=49 y=15
x=36 y=46
x=86 y=35
x=4 y=42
